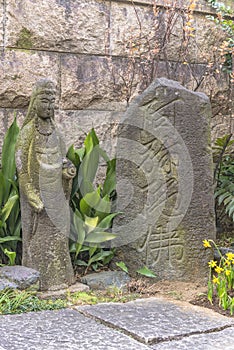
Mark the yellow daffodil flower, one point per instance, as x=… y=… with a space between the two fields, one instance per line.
x=230 y=256
x=206 y=244
x=216 y=280
x=212 y=263
x=227 y=272
x=219 y=269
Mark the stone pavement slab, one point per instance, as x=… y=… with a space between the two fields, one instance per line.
x=60 y=330
x=154 y=320
x=144 y=324
x=222 y=340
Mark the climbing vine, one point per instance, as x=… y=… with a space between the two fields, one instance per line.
x=225 y=19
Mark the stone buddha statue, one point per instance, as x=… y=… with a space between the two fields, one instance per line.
x=45 y=177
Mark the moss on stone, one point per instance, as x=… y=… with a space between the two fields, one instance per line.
x=25 y=39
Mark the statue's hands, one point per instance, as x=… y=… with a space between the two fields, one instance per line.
x=35 y=200
x=36 y=204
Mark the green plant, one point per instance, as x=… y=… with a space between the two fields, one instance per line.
x=91 y=204
x=221 y=278
x=113 y=294
x=10 y=223
x=224 y=174
x=225 y=20
x=144 y=271
x=15 y=301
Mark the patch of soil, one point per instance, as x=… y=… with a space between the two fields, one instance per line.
x=194 y=293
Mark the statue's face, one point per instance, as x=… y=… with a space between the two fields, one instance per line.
x=44 y=105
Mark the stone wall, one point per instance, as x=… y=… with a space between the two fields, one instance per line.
x=82 y=46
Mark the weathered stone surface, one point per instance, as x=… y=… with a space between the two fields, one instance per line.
x=164 y=152
x=125 y=27
x=62 y=294
x=154 y=320
x=72 y=26
x=98 y=83
x=221 y=125
x=45 y=178
x=19 y=70
x=87 y=83
x=63 y=330
x=74 y=126
x=205 y=32
x=137 y=32
x=202 y=5
x=221 y=340
x=1 y=21
x=5 y=283
x=22 y=276
x=107 y=279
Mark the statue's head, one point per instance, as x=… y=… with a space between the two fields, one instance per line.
x=42 y=101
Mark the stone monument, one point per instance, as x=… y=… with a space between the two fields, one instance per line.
x=165 y=182
x=45 y=177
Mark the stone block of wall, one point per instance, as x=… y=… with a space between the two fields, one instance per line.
x=201 y=5
x=124 y=27
x=70 y=26
x=87 y=83
x=165 y=182
x=74 y=126
x=1 y=21
x=19 y=70
x=139 y=25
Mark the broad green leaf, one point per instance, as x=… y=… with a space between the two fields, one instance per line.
x=2 y=188
x=81 y=263
x=108 y=257
x=2 y=225
x=99 y=237
x=78 y=249
x=103 y=208
x=90 y=223
x=72 y=248
x=98 y=257
x=14 y=218
x=8 y=207
x=8 y=156
x=110 y=181
x=75 y=186
x=9 y=239
x=15 y=186
x=91 y=141
x=146 y=272
x=81 y=152
x=92 y=250
x=73 y=155
x=89 y=201
x=11 y=256
x=103 y=154
x=107 y=221
x=88 y=170
x=122 y=265
x=79 y=227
